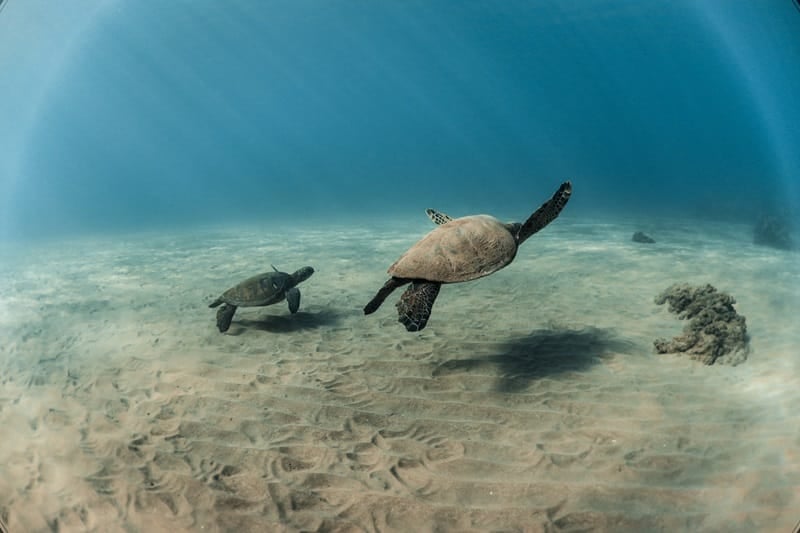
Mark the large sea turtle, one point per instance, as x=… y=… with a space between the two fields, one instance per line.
x=459 y=249
x=264 y=289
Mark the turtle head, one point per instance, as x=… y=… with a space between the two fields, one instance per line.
x=302 y=274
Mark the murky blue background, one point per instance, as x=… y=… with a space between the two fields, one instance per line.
x=127 y=115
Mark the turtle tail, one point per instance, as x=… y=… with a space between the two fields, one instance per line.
x=546 y=213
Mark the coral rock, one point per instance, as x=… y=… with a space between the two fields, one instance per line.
x=643 y=238
x=774 y=231
x=715 y=332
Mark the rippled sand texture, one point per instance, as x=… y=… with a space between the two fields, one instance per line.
x=533 y=401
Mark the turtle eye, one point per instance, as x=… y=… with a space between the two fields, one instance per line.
x=275 y=285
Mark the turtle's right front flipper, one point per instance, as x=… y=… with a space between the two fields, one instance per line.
x=387 y=289
x=437 y=217
x=225 y=317
x=415 y=305
x=293 y=299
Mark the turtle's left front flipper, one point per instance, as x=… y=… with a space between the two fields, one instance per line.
x=293 y=299
x=546 y=213
x=416 y=303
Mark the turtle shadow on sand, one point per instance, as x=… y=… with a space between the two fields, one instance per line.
x=300 y=321
x=542 y=353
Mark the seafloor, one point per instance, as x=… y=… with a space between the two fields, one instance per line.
x=533 y=401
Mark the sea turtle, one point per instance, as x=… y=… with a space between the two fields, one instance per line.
x=459 y=249
x=264 y=289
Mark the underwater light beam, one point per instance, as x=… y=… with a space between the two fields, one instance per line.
x=756 y=79
x=50 y=40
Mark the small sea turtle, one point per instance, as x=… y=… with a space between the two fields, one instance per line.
x=264 y=289
x=459 y=249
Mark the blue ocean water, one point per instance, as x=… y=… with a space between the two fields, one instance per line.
x=119 y=116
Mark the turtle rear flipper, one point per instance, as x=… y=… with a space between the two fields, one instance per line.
x=215 y=303
x=415 y=305
x=546 y=213
x=293 y=299
x=225 y=316
x=384 y=291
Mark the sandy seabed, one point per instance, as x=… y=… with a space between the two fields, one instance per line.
x=533 y=401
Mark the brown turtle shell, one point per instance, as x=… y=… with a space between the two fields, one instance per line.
x=463 y=249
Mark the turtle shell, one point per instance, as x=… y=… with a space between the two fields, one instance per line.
x=463 y=249
x=263 y=289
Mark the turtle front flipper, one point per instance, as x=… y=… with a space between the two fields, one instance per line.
x=385 y=291
x=415 y=305
x=225 y=316
x=438 y=217
x=293 y=299
x=546 y=213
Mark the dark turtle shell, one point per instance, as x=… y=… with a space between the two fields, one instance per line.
x=263 y=289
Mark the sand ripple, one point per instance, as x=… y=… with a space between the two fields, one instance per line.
x=533 y=402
